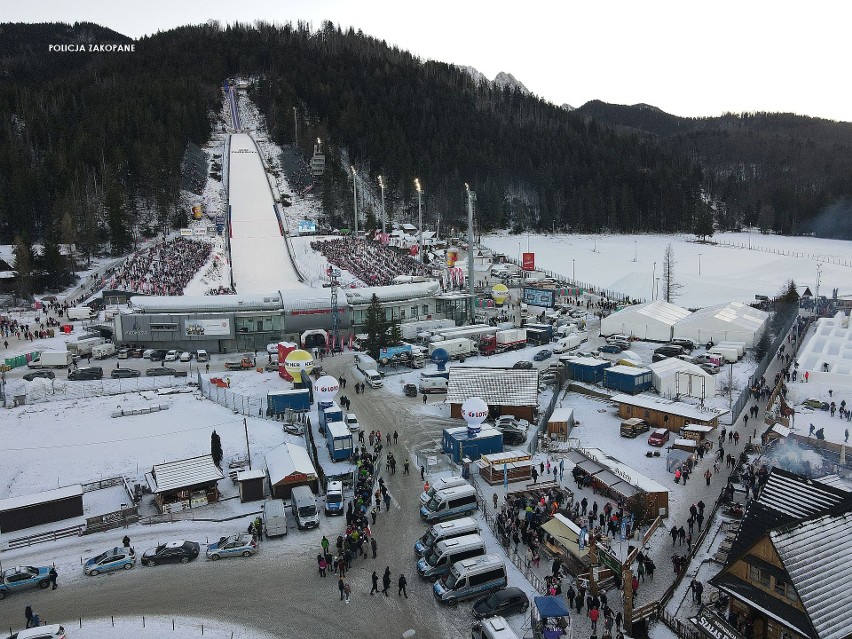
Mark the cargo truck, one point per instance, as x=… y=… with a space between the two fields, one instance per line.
x=79 y=313
x=297 y=400
x=365 y=363
x=52 y=359
x=83 y=347
x=456 y=348
x=245 y=362
x=412 y=330
x=102 y=351
x=504 y=340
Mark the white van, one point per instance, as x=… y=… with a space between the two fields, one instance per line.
x=334 y=498
x=441 y=484
x=304 y=506
x=445 y=530
x=493 y=628
x=373 y=378
x=471 y=577
x=445 y=553
x=201 y=355
x=568 y=343
x=433 y=383
x=274 y=518
x=79 y=313
x=449 y=503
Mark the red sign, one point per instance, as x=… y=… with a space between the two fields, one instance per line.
x=528 y=261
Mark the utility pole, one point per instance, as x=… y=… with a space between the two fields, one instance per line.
x=419 y=218
x=384 y=216
x=471 y=198
x=248 y=448
x=295 y=129
x=653 y=277
x=355 y=198
x=334 y=280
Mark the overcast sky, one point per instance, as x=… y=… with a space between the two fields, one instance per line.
x=688 y=58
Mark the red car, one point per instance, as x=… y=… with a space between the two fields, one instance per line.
x=659 y=436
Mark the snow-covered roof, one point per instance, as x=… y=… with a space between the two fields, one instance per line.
x=495 y=386
x=816 y=555
x=733 y=313
x=286 y=459
x=668 y=406
x=626 y=473
x=184 y=473
x=835 y=481
x=798 y=496
x=658 y=310
x=338 y=430
x=393 y=293
x=206 y=303
x=633 y=371
x=22 y=501
x=252 y=473
x=673 y=365
x=562 y=415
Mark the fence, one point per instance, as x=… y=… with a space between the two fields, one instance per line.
x=808 y=256
x=154 y=626
x=564 y=279
x=52 y=535
x=57 y=389
x=521 y=564
x=250 y=406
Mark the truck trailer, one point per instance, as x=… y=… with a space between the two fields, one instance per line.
x=298 y=400
x=52 y=359
x=456 y=348
x=504 y=340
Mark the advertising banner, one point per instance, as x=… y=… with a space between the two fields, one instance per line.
x=539 y=297
x=208 y=327
x=307 y=226
x=528 y=261
x=387 y=353
x=186 y=232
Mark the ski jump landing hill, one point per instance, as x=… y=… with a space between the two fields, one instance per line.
x=260 y=259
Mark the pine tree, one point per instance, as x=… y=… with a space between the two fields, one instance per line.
x=375 y=326
x=703 y=226
x=23 y=265
x=216 y=449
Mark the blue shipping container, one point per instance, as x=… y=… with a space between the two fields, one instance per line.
x=298 y=400
x=338 y=439
x=458 y=445
x=591 y=371
x=626 y=379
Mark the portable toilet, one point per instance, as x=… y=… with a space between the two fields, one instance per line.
x=628 y=379
x=338 y=438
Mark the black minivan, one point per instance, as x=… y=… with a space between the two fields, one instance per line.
x=91 y=372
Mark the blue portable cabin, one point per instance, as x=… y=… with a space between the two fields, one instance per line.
x=332 y=413
x=587 y=369
x=338 y=438
x=458 y=444
x=297 y=400
x=628 y=379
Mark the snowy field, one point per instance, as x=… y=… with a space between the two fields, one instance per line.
x=258 y=250
x=157 y=627
x=727 y=273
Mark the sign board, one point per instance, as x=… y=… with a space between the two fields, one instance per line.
x=186 y=232
x=199 y=231
x=207 y=327
x=306 y=227
x=528 y=261
x=387 y=353
x=539 y=297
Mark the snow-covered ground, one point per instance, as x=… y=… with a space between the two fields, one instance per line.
x=157 y=627
x=259 y=254
x=726 y=272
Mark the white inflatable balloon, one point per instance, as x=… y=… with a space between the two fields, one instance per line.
x=325 y=388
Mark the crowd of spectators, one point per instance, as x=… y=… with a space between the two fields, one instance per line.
x=371 y=262
x=163 y=269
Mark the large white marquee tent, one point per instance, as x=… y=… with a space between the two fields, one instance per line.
x=732 y=322
x=652 y=321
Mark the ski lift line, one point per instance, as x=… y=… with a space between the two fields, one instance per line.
x=117 y=441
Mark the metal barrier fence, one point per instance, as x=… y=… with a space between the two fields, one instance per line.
x=777 y=251
x=250 y=406
x=58 y=389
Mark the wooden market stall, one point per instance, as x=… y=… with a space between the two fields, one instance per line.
x=186 y=483
x=516 y=464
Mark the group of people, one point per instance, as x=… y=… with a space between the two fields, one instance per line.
x=163 y=269
x=38 y=330
x=371 y=262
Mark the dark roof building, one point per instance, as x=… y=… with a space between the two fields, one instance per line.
x=787 y=571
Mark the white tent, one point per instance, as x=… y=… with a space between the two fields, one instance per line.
x=653 y=321
x=732 y=322
x=673 y=376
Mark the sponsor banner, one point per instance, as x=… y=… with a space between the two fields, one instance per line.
x=528 y=261
x=207 y=327
x=186 y=232
x=307 y=226
x=387 y=353
x=539 y=297
x=199 y=231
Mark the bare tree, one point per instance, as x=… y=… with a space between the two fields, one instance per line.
x=670 y=286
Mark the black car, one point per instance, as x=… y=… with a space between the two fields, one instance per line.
x=508 y=601
x=158 y=355
x=670 y=350
x=686 y=344
x=160 y=370
x=171 y=552
x=513 y=436
x=410 y=390
x=124 y=372
x=92 y=372
x=524 y=363
x=46 y=374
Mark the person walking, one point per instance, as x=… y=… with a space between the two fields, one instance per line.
x=324 y=544
x=28 y=613
x=126 y=541
x=422 y=470
x=401 y=583
x=395 y=437
x=373 y=546
x=386 y=581
x=594 y=614
x=496 y=500
x=341 y=586
x=347 y=590
x=323 y=565
x=52 y=575
x=375 y=578
x=405 y=467
x=707 y=476
x=424 y=398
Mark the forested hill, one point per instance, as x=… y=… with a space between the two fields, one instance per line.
x=89 y=143
x=778 y=171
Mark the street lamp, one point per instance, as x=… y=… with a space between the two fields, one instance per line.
x=653 y=276
x=384 y=217
x=573 y=272
x=699 y=263
x=355 y=198
x=419 y=218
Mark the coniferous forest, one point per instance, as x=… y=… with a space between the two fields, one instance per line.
x=91 y=143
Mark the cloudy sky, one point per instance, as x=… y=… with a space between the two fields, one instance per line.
x=688 y=58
